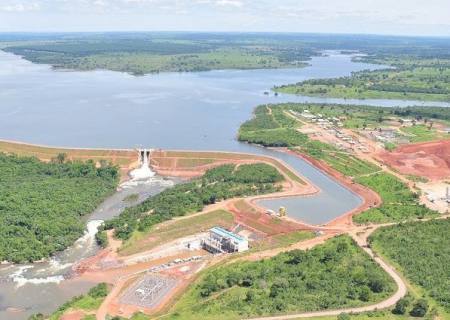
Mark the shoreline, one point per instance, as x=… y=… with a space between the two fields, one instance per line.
x=218 y=158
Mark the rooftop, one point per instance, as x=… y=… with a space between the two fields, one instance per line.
x=227 y=234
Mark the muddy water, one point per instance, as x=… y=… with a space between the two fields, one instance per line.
x=200 y=111
x=42 y=287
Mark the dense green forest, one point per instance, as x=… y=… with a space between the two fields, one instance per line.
x=422 y=250
x=223 y=182
x=271 y=126
x=42 y=204
x=146 y=52
x=337 y=274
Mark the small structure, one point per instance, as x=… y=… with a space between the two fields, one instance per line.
x=220 y=240
x=282 y=212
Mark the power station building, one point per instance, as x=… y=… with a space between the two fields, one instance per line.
x=221 y=240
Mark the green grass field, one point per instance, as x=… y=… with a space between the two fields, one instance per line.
x=399 y=203
x=176 y=229
x=271 y=127
x=422 y=133
x=411 y=80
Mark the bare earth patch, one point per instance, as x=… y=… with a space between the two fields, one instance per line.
x=429 y=159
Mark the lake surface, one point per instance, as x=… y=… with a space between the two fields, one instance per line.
x=199 y=111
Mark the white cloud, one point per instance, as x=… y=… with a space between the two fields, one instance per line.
x=368 y=16
x=20 y=7
x=230 y=3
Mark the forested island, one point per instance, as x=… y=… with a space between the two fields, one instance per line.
x=151 y=52
x=140 y=54
x=43 y=204
x=410 y=78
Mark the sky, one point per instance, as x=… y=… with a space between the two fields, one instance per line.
x=396 y=17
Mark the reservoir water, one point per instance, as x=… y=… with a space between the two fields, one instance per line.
x=200 y=111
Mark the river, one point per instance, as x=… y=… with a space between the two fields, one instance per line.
x=200 y=111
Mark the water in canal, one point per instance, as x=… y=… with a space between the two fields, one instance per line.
x=200 y=111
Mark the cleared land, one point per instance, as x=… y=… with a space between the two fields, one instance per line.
x=430 y=159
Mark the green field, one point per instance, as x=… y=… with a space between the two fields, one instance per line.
x=223 y=182
x=337 y=274
x=421 y=250
x=42 y=204
x=271 y=127
x=175 y=230
x=422 y=133
x=411 y=79
x=399 y=203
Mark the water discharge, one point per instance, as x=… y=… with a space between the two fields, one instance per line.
x=198 y=111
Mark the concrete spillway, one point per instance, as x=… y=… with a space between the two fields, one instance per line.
x=143 y=172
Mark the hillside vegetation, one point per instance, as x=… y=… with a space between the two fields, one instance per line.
x=271 y=127
x=42 y=204
x=223 y=182
x=422 y=250
x=399 y=203
x=412 y=79
x=334 y=275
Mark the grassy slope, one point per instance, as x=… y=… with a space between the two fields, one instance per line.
x=399 y=203
x=217 y=184
x=324 y=277
x=176 y=229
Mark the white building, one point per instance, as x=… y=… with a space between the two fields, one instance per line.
x=221 y=240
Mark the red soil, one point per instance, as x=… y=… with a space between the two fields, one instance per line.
x=428 y=159
x=74 y=315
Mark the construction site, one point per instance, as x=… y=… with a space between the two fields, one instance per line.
x=150 y=275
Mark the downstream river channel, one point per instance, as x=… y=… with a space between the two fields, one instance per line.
x=197 y=111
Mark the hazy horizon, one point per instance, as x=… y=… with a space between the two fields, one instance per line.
x=383 y=17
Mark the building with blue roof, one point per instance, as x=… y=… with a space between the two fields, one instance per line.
x=221 y=240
